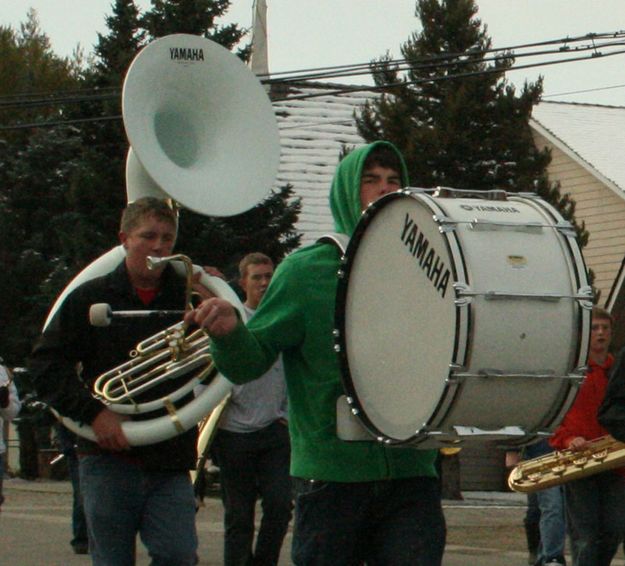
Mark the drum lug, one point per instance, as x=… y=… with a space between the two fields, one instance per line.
x=463 y=294
x=445 y=223
x=566 y=229
x=479 y=225
x=348 y=426
x=450 y=192
x=504 y=433
x=585 y=297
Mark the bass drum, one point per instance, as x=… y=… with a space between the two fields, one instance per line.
x=462 y=318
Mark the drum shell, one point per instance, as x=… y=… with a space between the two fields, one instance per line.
x=458 y=313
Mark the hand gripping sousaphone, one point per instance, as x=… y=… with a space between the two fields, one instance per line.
x=161 y=428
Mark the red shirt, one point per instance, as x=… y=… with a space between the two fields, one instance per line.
x=146 y=295
x=581 y=419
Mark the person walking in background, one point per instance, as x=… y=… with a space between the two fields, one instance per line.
x=10 y=405
x=595 y=505
x=66 y=442
x=252 y=449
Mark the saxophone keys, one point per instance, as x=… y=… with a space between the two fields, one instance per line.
x=601 y=455
x=580 y=462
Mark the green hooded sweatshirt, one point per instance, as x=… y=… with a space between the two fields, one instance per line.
x=296 y=317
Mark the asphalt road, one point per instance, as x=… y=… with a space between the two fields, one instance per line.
x=484 y=530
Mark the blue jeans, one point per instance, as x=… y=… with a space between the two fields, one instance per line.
x=595 y=512
x=66 y=441
x=254 y=465
x=385 y=523
x=552 y=524
x=120 y=500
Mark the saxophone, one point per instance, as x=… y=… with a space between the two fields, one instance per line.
x=557 y=468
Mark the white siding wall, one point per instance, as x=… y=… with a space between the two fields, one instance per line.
x=312 y=131
x=600 y=208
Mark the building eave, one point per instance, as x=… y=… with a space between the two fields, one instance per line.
x=557 y=142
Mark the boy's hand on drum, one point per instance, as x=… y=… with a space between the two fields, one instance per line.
x=216 y=316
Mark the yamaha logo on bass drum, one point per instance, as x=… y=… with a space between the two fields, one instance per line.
x=426 y=256
x=490 y=208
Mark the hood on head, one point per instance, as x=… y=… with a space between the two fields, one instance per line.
x=345 y=191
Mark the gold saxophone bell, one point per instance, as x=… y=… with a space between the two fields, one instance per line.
x=166 y=355
x=557 y=468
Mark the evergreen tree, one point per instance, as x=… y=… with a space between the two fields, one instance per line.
x=453 y=114
x=35 y=170
x=30 y=74
x=198 y=18
x=116 y=50
x=62 y=188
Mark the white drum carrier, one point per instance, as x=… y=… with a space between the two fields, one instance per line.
x=461 y=318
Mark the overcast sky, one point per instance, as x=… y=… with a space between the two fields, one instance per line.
x=318 y=33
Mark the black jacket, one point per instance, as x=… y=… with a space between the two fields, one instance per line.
x=70 y=341
x=611 y=413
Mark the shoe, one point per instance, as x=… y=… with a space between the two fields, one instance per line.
x=554 y=563
x=81 y=548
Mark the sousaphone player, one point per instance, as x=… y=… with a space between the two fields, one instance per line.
x=125 y=490
x=134 y=466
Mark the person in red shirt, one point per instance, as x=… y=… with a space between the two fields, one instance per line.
x=595 y=505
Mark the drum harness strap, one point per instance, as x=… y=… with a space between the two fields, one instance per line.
x=339 y=240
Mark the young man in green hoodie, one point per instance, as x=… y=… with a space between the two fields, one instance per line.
x=355 y=501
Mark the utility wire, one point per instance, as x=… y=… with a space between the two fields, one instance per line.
x=436 y=63
x=297 y=75
x=442 y=60
x=340 y=71
x=583 y=91
x=52 y=124
x=402 y=84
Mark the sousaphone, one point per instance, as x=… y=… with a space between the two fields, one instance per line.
x=203 y=134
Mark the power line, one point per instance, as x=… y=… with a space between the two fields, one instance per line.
x=339 y=71
x=583 y=91
x=401 y=84
x=437 y=62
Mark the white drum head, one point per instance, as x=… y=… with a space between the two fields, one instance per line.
x=396 y=317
